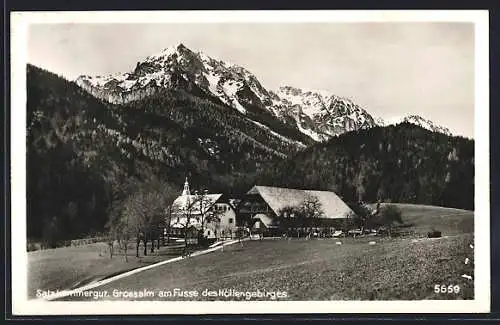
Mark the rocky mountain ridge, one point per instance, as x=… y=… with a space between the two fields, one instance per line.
x=319 y=115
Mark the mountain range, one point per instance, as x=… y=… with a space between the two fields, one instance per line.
x=319 y=115
x=93 y=141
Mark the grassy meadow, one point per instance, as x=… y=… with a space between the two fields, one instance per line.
x=402 y=268
x=71 y=267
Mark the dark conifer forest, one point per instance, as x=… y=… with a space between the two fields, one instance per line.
x=84 y=154
x=403 y=163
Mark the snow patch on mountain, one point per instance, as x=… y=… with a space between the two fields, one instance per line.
x=230 y=88
x=213 y=82
x=313 y=135
x=300 y=144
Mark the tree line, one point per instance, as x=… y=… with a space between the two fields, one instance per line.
x=403 y=163
x=305 y=218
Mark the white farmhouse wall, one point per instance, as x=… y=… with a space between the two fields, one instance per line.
x=226 y=227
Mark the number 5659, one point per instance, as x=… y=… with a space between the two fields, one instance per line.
x=446 y=289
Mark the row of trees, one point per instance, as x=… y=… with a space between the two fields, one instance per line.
x=139 y=215
x=146 y=210
x=363 y=217
x=308 y=215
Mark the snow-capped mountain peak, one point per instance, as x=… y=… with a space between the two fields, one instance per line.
x=417 y=120
x=166 y=52
x=318 y=114
x=322 y=114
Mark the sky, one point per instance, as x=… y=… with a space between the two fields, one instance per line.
x=389 y=69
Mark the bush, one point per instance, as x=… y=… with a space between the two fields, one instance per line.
x=32 y=247
x=391 y=214
x=434 y=234
x=204 y=241
x=388 y=215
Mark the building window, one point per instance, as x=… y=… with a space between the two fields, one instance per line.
x=230 y=220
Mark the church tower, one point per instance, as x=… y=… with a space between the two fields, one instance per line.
x=186 y=191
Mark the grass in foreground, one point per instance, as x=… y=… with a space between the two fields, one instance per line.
x=71 y=267
x=389 y=264
x=317 y=270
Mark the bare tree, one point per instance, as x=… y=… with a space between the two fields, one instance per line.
x=143 y=211
x=113 y=226
x=240 y=234
x=213 y=216
x=134 y=213
x=207 y=209
x=362 y=216
x=168 y=222
x=389 y=215
x=124 y=237
x=312 y=210
x=291 y=217
x=351 y=220
x=163 y=196
x=123 y=233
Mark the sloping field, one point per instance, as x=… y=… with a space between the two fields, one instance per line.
x=72 y=267
x=424 y=218
x=315 y=269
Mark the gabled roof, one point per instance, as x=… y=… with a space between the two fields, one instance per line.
x=266 y=220
x=278 y=198
x=192 y=202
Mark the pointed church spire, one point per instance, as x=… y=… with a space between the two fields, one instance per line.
x=186 y=191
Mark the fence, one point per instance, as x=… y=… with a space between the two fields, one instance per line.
x=86 y=241
x=34 y=246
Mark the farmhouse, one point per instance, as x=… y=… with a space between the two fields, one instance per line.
x=215 y=211
x=262 y=206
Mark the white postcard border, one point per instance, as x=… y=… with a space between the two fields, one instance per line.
x=19 y=57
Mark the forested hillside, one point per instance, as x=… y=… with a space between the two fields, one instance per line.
x=403 y=163
x=64 y=191
x=83 y=154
